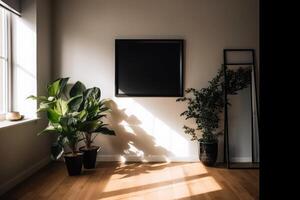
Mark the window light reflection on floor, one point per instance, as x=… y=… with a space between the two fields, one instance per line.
x=171 y=182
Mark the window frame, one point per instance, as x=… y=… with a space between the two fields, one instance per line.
x=6 y=25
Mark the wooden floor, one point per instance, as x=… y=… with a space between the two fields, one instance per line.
x=155 y=181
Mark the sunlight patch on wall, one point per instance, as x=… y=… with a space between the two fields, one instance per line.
x=127 y=127
x=134 y=150
x=164 y=135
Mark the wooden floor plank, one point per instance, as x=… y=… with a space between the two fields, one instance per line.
x=139 y=181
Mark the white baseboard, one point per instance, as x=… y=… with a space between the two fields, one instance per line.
x=241 y=159
x=153 y=158
x=23 y=175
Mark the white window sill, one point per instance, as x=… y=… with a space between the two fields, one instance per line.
x=6 y=123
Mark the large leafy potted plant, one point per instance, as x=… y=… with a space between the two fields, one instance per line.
x=93 y=124
x=64 y=117
x=206 y=105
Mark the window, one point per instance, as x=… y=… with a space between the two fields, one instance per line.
x=4 y=62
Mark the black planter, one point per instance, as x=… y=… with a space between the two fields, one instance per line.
x=89 y=156
x=208 y=153
x=73 y=163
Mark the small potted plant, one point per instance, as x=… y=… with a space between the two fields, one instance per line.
x=206 y=105
x=93 y=124
x=63 y=117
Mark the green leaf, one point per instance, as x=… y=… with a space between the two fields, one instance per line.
x=32 y=97
x=40 y=98
x=63 y=84
x=77 y=89
x=98 y=116
x=57 y=151
x=61 y=107
x=53 y=89
x=105 y=131
x=48 y=129
x=90 y=126
x=82 y=115
x=75 y=102
x=57 y=127
x=53 y=116
x=69 y=124
x=104 y=109
x=94 y=92
x=43 y=107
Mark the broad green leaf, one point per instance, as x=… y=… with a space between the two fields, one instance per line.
x=77 y=89
x=105 y=109
x=63 y=84
x=72 y=122
x=57 y=127
x=48 y=129
x=57 y=151
x=61 y=107
x=98 y=116
x=75 y=102
x=105 y=131
x=45 y=105
x=94 y=92
x=53 y=116
x=40 y=98
x=53 y=88
x=90 y=126
x=51 y=98
x=64 y=124
x=32 y=97
x=82 y=115
x=69 y=125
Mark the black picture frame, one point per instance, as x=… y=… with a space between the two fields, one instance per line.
x=180 y=92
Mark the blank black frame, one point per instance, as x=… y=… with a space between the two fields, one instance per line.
x=176 y=89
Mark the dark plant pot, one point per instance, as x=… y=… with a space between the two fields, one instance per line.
x=89 y=156
x=73 y=163
x=208 y=153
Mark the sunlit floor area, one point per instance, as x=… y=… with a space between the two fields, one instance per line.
x=153 y=181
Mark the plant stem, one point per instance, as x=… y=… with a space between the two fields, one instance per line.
x=88 y=140
x=73 y=148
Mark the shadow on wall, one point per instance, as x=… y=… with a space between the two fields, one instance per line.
x=133 y=141
x=168 y=110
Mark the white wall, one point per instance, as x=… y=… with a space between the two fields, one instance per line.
x=84 y=33
x=22 y=151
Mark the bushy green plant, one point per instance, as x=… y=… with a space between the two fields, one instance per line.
x=206 y=104
x=63 y=116
x=71 y=114
x=96 y=110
